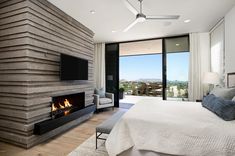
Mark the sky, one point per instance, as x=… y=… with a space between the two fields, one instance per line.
x=150 y=67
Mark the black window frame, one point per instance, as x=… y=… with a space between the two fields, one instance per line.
x=164 y=61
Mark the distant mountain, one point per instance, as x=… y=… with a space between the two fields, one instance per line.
x=153 y=80
x=149 y=80
x=176 y=81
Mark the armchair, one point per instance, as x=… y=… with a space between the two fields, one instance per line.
x=104 y=102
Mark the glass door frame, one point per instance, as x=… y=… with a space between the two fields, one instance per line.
x=164 y=61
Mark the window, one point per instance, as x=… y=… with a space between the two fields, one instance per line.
x=141 y=68
x=156 y=68
x=141 y=75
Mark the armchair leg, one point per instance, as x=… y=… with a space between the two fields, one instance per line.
x=113 y=108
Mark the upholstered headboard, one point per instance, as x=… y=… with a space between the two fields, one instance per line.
x=231 y=80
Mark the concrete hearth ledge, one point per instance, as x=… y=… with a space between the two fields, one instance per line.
x=30 y=141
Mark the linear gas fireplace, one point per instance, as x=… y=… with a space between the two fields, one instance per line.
x=64 y=109
x=67 y=104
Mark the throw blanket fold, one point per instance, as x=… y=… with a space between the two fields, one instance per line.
x=177 y=128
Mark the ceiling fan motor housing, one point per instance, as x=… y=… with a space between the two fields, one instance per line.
x=140 y=17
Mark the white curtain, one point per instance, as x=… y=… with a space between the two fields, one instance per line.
x=99 y=65
x=217 y=51
x=199 y=63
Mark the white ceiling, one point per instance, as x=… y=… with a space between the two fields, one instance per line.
x=113 y=15
x=140 y=48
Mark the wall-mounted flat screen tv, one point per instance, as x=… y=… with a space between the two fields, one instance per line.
x=73 y=68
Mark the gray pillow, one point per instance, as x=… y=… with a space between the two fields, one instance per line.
x=100 y=92
x=225 y=93
x=225 y=109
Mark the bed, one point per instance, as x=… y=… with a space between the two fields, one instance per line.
x=164 y=128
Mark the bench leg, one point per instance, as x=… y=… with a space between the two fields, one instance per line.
x=95 y=140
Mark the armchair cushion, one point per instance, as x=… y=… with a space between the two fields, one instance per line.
x=107 y=101
x=104 y=101
x=100 y=92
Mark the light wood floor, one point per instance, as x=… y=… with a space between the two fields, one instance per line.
x=60 y=145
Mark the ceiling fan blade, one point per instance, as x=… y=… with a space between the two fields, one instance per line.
x=163 y=17
x=131 y=25
x=130 y=7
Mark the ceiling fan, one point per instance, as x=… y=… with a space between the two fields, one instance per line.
x=140 y=17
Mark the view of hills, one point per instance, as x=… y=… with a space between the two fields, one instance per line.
x=150 y=80
x=145 y=80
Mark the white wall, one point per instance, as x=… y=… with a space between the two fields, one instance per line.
x=230 y=41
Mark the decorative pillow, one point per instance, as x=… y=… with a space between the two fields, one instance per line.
x=225 y=109
x=100 y=92
x=225 y=93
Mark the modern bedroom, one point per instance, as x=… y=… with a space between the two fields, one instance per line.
x=117 y=78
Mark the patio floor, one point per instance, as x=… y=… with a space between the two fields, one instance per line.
x=131 y=99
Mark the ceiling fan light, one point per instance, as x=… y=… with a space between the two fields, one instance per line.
x=141 y=19
x=187 y=21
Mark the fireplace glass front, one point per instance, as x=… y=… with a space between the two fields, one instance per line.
x=67 y=104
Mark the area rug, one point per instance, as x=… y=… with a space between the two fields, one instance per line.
x=87 y=148
x=125 y=105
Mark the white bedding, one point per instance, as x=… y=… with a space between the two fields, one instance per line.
x=170 y=127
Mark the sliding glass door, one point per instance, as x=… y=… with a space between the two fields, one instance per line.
x=177 y=68
x=148 y=68
x=141 y=69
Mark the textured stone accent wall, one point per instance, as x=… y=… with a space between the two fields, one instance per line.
x=33 y=34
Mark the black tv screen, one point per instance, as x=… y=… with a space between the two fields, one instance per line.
x=73 y=68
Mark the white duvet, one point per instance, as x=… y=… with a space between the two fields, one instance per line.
x=177 y=128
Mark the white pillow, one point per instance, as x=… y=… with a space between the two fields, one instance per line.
x=225 y=93
x=233 y=98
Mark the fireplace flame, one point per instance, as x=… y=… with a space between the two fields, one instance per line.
x=61 y=106
x=54 y=108
x=66 y=112
x=66 y=104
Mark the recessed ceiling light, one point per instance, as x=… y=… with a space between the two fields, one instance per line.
x=114 y=31
x=177 y=44
x=187 y=21
x=92 y=11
